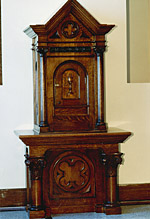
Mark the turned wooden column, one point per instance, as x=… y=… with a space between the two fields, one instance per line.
x=111 y=163
x=101 y=125
x=43 y=113
x=36 y=166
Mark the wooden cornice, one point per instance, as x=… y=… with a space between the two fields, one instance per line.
x=113 y=136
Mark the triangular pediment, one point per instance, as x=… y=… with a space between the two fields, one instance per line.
x=70 y=28
x=76 y=10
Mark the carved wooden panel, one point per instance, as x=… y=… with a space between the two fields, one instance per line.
x=70 y=84
x=73 y=175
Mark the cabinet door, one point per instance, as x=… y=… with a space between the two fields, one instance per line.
x=70 y=84
x=70 y=96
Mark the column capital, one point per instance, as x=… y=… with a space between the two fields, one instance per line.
x=42 y=50
x=36 y=166
x=111 y=161
x=99 y=50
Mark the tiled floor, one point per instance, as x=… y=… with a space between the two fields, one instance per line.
x=130 y=212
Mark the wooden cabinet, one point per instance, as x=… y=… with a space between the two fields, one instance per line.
x=73 y=172
x=73 y=157
x=68 y=57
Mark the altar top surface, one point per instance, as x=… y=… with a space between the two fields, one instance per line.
x=113 y=135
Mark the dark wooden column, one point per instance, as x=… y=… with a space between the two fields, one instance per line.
x=43 y=110
x=101 y=125
x=111 y=163
x=36 y=166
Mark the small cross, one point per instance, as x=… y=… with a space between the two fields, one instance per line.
x=70 y=29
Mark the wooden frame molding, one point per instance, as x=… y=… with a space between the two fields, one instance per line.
x=131 y=194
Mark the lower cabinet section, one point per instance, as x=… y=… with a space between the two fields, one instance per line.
x=72 y=181
x=72 y=175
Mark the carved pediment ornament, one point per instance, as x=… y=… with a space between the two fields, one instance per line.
x=70 y=29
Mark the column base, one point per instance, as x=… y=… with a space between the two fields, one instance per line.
x=112 y=210
x=35 y=208
x=37 y=214
x=99 y=208
x=101 y=126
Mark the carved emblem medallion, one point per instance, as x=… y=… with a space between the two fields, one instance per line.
x=70 y=29
x=72 y=173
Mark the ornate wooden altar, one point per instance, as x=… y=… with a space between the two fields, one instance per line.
x=73 y=158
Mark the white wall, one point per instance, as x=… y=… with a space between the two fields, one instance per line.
x=128 y=105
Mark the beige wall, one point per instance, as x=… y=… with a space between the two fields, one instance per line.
x=128 y=105
x=139 y=40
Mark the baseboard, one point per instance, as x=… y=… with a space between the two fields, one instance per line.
x=134 y=194
x=12 y=197
x=128 y=194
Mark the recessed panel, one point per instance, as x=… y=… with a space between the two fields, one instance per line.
x=71 y=84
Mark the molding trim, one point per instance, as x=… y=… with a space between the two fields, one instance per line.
x=12 y=197
x=131 y=194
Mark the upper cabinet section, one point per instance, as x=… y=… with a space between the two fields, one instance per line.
x=68 y=71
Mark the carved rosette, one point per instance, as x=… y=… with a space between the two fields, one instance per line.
x=111 y=162
x=36 y=166
x=72 y=173
x=70 y=29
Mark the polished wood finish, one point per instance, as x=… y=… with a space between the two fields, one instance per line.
x=68 y=57
x=73 y=159
x=134 y=193
x=77 y=171
x=13 y=197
